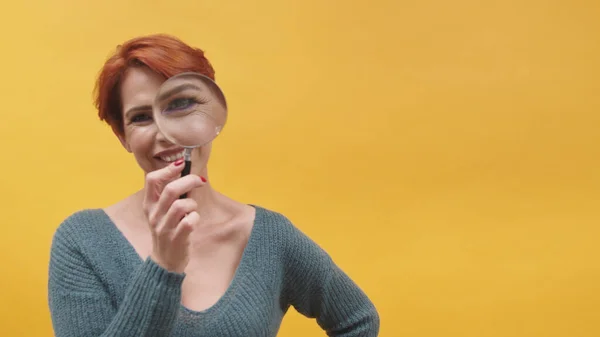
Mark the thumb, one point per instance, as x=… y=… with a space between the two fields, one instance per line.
x=158 y=179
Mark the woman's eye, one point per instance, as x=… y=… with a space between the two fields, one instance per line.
x=180 y=103
x=140 y=118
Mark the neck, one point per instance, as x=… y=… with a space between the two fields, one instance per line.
x=208 y=202
x=207 y=198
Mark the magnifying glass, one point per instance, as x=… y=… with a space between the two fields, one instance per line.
x=190 y=110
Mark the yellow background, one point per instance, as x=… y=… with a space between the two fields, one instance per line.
x=445 y=153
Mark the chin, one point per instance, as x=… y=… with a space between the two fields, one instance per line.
x=151 y=165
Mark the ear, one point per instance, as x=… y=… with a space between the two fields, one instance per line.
x=124 y=143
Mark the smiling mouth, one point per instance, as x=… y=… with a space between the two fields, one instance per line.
x=173 y=157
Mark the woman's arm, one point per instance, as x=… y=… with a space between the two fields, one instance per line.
x=80 y=305
x=317 y=288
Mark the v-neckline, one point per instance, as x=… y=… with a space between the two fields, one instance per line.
x=241 y=269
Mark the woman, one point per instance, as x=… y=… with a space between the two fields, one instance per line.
x=156 y=265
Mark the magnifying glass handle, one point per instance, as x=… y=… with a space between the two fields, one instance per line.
x=186 y=170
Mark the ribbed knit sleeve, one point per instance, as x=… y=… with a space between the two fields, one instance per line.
x=317 y=288
x=81 y=306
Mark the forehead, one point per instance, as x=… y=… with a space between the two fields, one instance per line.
x=139 y=87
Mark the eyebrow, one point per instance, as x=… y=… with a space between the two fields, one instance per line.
x=177 y=90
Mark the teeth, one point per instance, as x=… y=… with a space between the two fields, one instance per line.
x=172 y=158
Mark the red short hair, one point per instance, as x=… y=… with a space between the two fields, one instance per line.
x=164 y=54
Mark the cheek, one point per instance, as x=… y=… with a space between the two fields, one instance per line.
x=141 y=140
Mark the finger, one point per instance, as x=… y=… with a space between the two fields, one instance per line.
x=176 y=213
x=174 y=189
x=185 y=227
x=158 y=179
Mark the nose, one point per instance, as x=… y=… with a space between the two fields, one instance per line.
x=160 y=137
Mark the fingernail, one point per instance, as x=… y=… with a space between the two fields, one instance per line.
x=203 y=179
x=178 y=162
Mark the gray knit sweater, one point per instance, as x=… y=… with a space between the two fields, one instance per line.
x=99 y=286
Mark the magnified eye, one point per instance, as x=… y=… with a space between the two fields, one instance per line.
x=180 y=104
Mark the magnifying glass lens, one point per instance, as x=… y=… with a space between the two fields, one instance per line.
x=190 y=110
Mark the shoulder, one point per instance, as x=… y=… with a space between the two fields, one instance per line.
x=71 y=241
x=78 y=227
x=273 y=219
x=294 y=242
x=276 y=224
x=81 y=219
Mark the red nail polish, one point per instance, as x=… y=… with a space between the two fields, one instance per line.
x=178 y=162
x=203 y=179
